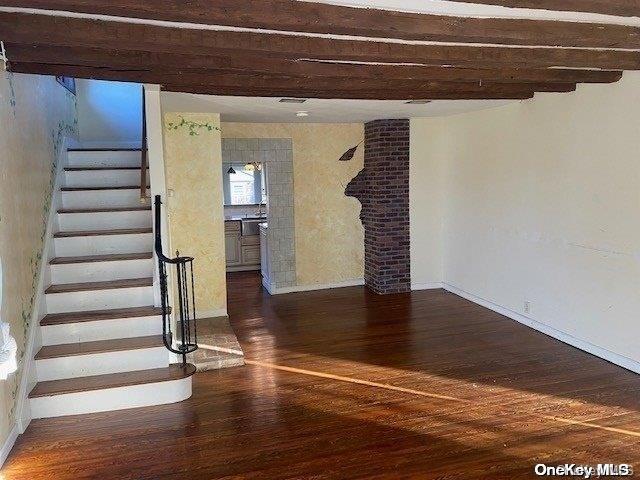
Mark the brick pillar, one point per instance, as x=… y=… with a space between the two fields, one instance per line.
x=383 y=189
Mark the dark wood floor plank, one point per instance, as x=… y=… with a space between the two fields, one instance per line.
x=346 y=384
x=108 y=285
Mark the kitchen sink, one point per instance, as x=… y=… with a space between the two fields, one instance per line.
x=250 y=226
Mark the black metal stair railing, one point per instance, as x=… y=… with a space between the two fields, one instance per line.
x=187 y=341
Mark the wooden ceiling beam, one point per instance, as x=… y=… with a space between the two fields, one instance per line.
x=75 y=32
x=621 y=8
x=282 y=82
x=310 y=17
x=350 y=94
x=133 y=60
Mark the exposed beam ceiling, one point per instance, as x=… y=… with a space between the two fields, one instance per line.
x=138 y=60
x=311 y=49
x=308 y=17
x=622 y=8
x=358 y=87
x=350 y=94
x=80 y=32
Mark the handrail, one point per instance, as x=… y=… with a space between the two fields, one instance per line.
x=144 y=152
x=188 y=341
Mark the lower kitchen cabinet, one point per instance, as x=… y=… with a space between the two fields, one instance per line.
x=232 y=248
x=242 y=252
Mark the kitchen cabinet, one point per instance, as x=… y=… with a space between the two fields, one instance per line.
x=232 y=243
x=242 y=252
x=232 y=248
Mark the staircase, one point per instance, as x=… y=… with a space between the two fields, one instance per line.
x=101 y=337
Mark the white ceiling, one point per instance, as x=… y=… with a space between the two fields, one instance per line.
x=463 y=9
x=270 y=110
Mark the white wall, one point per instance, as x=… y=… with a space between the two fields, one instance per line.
x=542 y=204
x=426 y=202
x=109 y=113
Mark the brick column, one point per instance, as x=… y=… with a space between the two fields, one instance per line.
x=383 y=189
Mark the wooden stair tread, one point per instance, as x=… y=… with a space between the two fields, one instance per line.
x=113 y=380
x=105 y=149
x=114 y=257
x=102 y=346
x=99 y=169
x=109 y=285
x=97 y=315
x=83 y=189
x=105 y=210
x=95 y=233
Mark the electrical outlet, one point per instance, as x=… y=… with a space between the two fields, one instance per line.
x=527 y=307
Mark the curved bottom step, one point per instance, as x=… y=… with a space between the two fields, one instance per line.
x=116 y=391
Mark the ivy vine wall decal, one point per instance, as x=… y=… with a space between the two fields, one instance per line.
x=61 y=120
x=193 y=127
x=12 y=93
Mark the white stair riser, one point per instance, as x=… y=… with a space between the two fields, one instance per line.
x=103 y=244
x=101 y=330
x=104 y=220
x=102 y=178
x=101 y=198
x=104 y=159
x=101 y=271
x=111 y=399
x=102 y=363
x=99 y=299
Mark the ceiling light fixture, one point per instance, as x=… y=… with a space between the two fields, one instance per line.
x=302 y=113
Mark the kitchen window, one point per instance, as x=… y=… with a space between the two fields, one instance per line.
x=243 y=184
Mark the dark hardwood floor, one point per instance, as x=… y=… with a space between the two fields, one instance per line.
x=344 y=384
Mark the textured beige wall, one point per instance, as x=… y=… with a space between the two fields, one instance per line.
x=36 y=113
x=193 y=163
x=329 y=235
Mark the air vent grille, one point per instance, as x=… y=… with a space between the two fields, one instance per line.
x=292 y=100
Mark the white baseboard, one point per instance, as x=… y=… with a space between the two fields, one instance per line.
x=8 y=445
x=600 y=352
x=426 y=286
x=326 y=286
x=244 y=268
